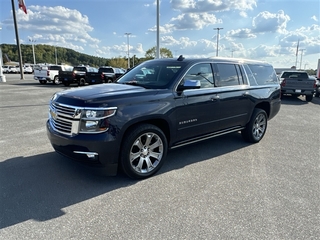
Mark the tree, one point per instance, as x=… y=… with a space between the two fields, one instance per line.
x=164 y=53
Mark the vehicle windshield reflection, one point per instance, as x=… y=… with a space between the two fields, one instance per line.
x=154 y=75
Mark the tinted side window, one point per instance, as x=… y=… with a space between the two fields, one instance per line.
x=250 y=76
x=263 y=74
x=203 y=73
x=227 y=75
x=55 y=68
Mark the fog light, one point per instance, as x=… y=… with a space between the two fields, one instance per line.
x=91 y=124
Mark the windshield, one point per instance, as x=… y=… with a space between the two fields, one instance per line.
x=153 y=74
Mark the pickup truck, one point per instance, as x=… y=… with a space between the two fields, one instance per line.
x=105 y=74
x=50 y=73
x=297 y=83
x=159 y=105
x=77 y=75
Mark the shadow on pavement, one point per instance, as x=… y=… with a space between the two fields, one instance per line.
x=39 y=187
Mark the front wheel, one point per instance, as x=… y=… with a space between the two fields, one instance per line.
x=144 y=150
x=56 y=80
x=257 y=126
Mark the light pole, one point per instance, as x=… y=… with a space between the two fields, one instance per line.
x=218 y=29
x=128 y=34
x=2 y=76
x=232 y=52
x=301 y=57
x=34 y=57
x=55 y=53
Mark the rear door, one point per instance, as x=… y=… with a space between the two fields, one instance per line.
x=233 y=95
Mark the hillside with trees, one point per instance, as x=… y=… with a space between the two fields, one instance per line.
x=46 y=54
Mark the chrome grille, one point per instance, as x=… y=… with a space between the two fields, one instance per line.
x=64 y=118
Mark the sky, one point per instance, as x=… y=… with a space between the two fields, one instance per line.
x=268 y=30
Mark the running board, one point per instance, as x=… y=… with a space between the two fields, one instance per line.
x=181 y=144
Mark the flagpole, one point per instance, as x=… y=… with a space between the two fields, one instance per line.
x=17 y=38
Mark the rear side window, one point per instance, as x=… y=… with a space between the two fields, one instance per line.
x=263 y=74
x=82 y=69
x=227 y=75
x=106 y=70
x=55 y=68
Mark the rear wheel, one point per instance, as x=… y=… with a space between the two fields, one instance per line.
x=309 y=98
x=66 y=84
x=144 y=150
x=43 y=81
x=257 y=126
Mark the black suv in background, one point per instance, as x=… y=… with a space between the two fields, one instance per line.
x=159 y=105
x=105 y=74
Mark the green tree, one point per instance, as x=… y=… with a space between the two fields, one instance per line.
x=164 y=53
x=119 y=62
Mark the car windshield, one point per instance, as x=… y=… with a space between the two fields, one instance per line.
x=153 y=74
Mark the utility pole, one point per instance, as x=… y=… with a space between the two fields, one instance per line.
x=218 y=29
x=301 y=57
x=34 y=56
x=2 y=76
x=232 y=52
x=128 y=34
x=55 y=53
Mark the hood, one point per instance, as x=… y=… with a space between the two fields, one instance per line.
x=99 y=93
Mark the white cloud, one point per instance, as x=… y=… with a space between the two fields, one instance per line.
x=314 y=18
x=263 y=51
x=194 y=21
x=56 y=25
x=202 y=6
x=270 y=22
x=241 y=33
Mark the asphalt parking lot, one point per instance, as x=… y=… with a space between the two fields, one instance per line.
x=223 y=188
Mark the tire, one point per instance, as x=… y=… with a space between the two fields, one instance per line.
x=140 y=157
x=66 y=84
x=56 y=80
x=257 y=126
x=42 y=81
x=309 y=98
x=109 y=80
x=317 y=93
x=82 y=82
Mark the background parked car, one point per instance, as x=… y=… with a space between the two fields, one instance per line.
x=27 y=69
x=12 y=69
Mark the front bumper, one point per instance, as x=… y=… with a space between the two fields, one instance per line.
x=95 y=150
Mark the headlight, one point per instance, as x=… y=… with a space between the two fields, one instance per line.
x=96 y=120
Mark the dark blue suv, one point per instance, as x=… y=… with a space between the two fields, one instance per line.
x=159 y=105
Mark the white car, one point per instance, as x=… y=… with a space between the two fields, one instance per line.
x=12 y=69
x=27 y=69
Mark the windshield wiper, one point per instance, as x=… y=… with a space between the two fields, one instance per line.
x=134 y=83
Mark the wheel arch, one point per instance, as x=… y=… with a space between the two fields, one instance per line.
x=158 y=122
x=264 y=106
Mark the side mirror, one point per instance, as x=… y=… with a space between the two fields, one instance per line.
x=189 y=84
